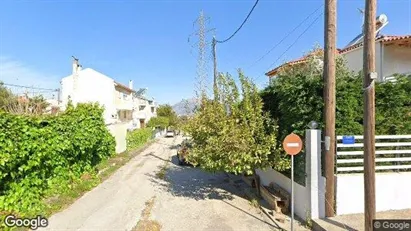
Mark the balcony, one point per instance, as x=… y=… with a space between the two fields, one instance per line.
x=123 y=101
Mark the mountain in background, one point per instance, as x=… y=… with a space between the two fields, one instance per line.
x=186 y=106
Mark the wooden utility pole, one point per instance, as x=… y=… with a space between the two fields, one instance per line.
x=329 y=101
x=369 y=113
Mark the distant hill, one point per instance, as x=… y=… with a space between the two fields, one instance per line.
x=186 y=106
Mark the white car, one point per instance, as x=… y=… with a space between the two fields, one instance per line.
x=170 y=134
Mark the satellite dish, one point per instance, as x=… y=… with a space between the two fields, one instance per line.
x=382 y=19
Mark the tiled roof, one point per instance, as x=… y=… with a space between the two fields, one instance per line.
x=293 y=62
x=124 y=86
x=383 y=38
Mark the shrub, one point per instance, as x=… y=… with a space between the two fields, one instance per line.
x=232 y=133
x=42 y=153
x=138 y=137
x=161 y=122
x=296 y=97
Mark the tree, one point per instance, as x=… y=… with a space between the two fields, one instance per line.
x=21 y=105
x=168 y=112
x=158 y=122
x=6 y=97
x=233 y=134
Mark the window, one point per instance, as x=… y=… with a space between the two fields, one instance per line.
x=152 y=109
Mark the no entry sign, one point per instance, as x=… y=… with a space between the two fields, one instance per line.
x=292 y=144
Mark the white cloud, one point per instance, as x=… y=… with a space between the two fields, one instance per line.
x=15 y=72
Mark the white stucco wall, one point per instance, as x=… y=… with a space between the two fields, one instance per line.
x=301 y=195
x=92 y=86
x=119 y=131
x=354 y=59
x=396 y=60
x=145 y=114
x=393 y=192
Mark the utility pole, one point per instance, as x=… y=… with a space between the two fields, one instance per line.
x=369 y=113
x=215 y=87
x=329 y=101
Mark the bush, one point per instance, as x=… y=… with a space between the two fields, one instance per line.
x=296 y=97
x=161 y=122
x=232 y=133
x=40 y=154
x=138 y=137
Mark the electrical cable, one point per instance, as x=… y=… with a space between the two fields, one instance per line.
x=295 y=41
x=289 y=47
x=242 y=24
x=285 y=37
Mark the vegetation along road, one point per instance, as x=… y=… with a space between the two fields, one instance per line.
x=152 y=192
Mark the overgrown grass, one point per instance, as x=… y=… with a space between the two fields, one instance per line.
x=161 y=174
x=145 y=224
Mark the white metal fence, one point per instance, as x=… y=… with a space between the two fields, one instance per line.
x=393 y=154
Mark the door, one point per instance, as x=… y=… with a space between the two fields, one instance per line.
x=142 y=123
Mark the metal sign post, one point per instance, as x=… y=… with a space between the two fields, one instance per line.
x=292 y=192
x=292 y=145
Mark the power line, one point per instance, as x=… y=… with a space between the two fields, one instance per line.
x=285 y=37
x=35 y=88
x=295 y=41
x=242 y=24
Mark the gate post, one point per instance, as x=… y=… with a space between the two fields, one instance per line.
x=314 y=180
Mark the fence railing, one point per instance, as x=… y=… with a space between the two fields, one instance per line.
x=393 y=153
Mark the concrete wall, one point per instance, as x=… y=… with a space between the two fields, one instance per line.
x=119 y=131
x=393 y=192
x=301 y=196
x=309 y=200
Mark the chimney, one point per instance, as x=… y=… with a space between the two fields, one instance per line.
x=130 y=84
x=76 y=65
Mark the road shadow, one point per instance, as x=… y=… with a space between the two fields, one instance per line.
x=191 y=182
x=195 y=183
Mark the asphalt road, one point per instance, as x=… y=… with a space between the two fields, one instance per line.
x=184 y=198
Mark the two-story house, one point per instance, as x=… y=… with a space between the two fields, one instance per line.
x=143 y=109
x=392 y=54
x=88 y=85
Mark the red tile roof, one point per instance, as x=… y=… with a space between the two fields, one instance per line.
x=382 y=38
x=124 y=86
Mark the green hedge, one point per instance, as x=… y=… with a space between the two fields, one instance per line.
x=41 y=155
x=296 y=97
x=138 y=137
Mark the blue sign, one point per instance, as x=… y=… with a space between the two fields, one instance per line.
x=348 y=140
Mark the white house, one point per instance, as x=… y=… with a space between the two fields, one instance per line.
x=392 y=54
x=143 y=109
x=88 y=85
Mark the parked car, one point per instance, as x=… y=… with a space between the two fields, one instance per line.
x=170 y=133
x=183 y=151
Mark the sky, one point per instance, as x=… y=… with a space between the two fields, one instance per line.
x=147 y=41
